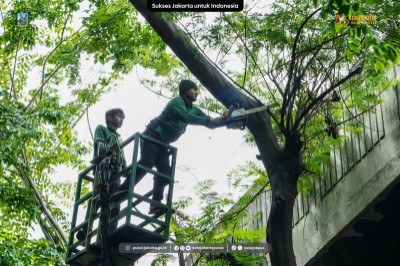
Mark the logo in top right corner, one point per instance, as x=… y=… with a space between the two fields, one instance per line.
x=355 y=20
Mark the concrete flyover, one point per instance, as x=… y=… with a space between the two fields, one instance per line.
x=352 y=215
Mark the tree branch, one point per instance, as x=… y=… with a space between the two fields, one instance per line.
x=151 y=90
x=12 y=88
x=51 y=53
x=317 y=88
x=292 y=61
x=47 y=234
x=42 y=205
x=41 y=87
x=300 y=53
x=321 y=97
x=318 y=46
x=246 y=55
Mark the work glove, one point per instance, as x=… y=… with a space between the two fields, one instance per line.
x=216 y=120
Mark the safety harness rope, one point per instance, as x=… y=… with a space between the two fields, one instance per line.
x=104 y=172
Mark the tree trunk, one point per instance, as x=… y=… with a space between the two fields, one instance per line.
x=284 y=192
x=42 y=205
x=282 y=165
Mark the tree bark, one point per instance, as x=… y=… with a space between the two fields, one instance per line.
x=274 y=158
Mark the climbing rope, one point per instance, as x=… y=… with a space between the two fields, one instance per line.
x=104 y=171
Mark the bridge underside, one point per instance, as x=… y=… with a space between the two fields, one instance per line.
x=371 y=239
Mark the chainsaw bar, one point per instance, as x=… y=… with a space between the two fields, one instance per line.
x=237 y=113
x=237 y=117
x=260 y=108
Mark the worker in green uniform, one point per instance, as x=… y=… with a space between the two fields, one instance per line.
x=168 y=127
x=109 y=137
x=107 y=142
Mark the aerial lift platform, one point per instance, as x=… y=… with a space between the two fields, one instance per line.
x=131 y=225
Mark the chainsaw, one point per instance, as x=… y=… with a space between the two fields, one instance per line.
x=237 y=116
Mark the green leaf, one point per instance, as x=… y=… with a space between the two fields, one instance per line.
x=380 y=66
x=338 y=27
x=354 y=48
x=344 y=9
x=355 y=6
x=332 y=27
x=349 y=55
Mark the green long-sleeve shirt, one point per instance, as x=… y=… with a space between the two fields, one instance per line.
x=100 y=136
x=172 y=122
